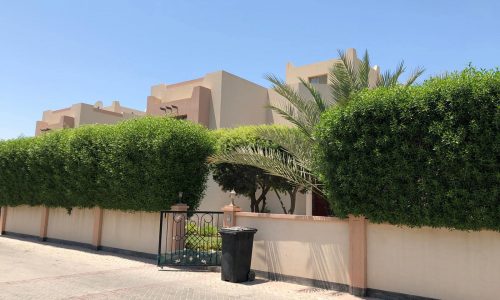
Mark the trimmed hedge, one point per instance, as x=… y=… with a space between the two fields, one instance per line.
x=140 y=164
x=229 y=139
x=418 y=156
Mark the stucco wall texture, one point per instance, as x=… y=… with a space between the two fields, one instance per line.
x=435 y=263
x=76 y=226
x=428 y=262
x=287 y=246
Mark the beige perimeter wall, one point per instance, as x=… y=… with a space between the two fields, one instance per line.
x=24 y=219
x=435 y=263
x=76 y=227
x=428 y=262
x=135 y=231
x=300 y=246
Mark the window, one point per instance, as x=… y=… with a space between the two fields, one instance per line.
x=318 y=79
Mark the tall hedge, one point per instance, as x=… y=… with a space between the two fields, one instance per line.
x=139 y=164
x=426 y=155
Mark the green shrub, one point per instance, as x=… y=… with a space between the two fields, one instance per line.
x=204 y=230
x=419 y=156
x=139 y=164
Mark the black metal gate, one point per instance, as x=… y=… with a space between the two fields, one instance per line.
x=190 y=238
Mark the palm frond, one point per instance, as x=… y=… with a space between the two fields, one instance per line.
x=342 y=79
x=363 y=72
x=272 y=161
x=414 y=76
x=291 y=140
x=301 y=112
x=321 y=104
x=289 y=113
x=390 y=78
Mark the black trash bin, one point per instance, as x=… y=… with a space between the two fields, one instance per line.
x=237 y=243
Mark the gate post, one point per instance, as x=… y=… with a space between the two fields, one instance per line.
x=97 y=232
x=3 y=219
x=230 y=215
x=357 y=255
x=176 y=227
x=44 y=223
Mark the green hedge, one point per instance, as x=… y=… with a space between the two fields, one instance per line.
x=140 y=164
x=419 y=156
x=228 y=139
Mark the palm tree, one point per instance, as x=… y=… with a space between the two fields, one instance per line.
x=294 y=162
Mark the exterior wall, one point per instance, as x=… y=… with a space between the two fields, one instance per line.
x=76 y=227
x=213 y=81
x=242 y=103
x=134 y=231
x=315 y=69
x=81 y=114
x=234 y=100
x=196 y=108
x=53 y=116
x=64 y=122
x=274 y=205
x=177 y=91
x=24 y=219
x=285 y=245
x=91 y=115
x=215 y=199
x=436 y=263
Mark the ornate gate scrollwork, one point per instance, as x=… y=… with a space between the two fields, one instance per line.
x=190 y=238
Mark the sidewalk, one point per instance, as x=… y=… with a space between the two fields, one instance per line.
x=32 y=270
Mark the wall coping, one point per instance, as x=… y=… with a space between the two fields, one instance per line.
x=290 y=217
x=184 y=82
x=105 y=111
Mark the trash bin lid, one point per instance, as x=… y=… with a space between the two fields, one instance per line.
x=236 y=229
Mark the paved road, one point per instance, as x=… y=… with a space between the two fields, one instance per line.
x=32 y=270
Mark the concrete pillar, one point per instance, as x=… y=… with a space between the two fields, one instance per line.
x=357 y=255
x=97 y=233
x=44 y=223
x=309 y=203
x=3 y=219
x=176 y=227
x=230 y=215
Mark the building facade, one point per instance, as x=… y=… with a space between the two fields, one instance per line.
x=216 y=100
x=81 y=114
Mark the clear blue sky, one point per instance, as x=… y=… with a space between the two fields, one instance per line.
x=55 y=53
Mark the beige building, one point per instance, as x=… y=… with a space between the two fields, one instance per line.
x=81 y=114
x=216 y=100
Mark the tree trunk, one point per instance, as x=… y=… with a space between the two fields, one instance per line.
x=254 y=207
x=263 y=207
x=262 y=198
x=293 y=198
x=281 y=201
